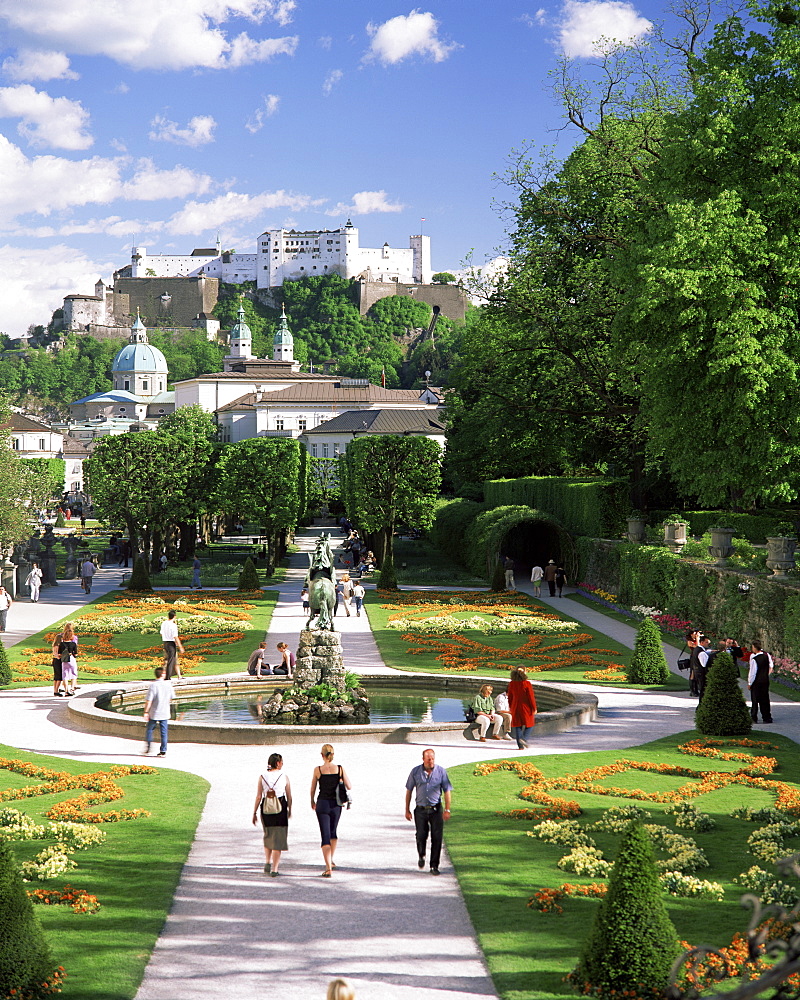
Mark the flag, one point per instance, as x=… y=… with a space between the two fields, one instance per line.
x=383 y=377
x=423 y=220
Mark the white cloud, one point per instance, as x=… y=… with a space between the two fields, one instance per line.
x=256 y=121
x=530 y=20
x=46 y=120
x=197 y=217
x=121 y=88
x=365 y=203
x=33 y=287
x=47 y=184
x=151 y=34
x=407 y=35
x=198 y=131
x=325 y=42
x=38 y=64
x=587 y=26
x=331 y=80
x=148 y=183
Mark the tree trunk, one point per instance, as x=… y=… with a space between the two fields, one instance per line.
x=188 y=537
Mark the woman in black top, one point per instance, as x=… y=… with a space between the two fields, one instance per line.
x=327 y=776
x=276 y=824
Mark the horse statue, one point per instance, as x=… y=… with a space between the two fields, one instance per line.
x=321 y=583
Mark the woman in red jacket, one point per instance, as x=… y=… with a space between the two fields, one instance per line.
x=522 y=702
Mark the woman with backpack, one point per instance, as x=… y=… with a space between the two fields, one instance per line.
x=274 y=804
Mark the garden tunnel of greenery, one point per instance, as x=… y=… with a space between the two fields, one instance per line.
x=536 y=542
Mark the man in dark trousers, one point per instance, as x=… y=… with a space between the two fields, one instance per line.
x=431 y=784
x=758 y=682
x=550 y=571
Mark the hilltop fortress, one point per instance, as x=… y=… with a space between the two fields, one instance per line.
x=181 y=290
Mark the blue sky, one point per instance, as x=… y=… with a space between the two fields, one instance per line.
x=169 y=120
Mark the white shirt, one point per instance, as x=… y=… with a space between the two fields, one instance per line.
x=751 y=674
x=358 y=590
x=537 y=574
x=501 y=703
x=169 y=630
x=88 y=568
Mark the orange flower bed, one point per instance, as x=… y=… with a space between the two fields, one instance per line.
x=199 y=646
x=460 y=653
x=787 y=797
x=79 y=900
x=548 y=900
x=100 y=787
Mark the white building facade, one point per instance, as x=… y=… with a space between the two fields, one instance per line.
x=288 y=255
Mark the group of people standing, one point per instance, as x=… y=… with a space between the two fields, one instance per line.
x=65 y=663
x=759 y=667
x=512 y=713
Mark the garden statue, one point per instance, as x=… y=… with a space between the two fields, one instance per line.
x=48 y=560
x=321 y=583
x=71 y=543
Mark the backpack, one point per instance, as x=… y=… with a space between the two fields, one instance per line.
x=271 y=804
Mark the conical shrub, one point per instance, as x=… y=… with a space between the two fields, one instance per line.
x=25 y=960
x=649 y=665
x=723 y=711
x=140 y=578
x=248 y=578
x=5 y=669
x=632 y=943
x=387 y=580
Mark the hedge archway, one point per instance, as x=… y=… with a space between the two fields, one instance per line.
x=523 y=533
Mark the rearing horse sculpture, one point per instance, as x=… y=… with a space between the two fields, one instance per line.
x=321 y=583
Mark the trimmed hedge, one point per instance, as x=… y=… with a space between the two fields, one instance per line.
x=753 y=527
x=648 y=665
x=632 y=943
x=696 y=592
x=450 y=524
x=722 y=710
x=585 y=506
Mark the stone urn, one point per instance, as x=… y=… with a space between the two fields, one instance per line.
x=720 y=546
x=636 y=529
x=675 y=535
x=780 y=554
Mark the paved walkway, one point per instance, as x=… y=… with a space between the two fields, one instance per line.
x=396 y=932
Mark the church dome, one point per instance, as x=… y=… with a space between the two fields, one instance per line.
x=138 y=355
x=140 y=358
x=240 y=330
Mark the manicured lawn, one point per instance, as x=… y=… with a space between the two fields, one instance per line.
x=670 y=640
x=420 y=564
x=133 y=874
x=568 y=655
x=110 y=646
x=499 y=867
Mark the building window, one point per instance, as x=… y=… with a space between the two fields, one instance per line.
x=42 y=444
x=302 y=269
x=324 y=451
x=145 y=385
x=313 y=451
x=122 y=409
x=279 y=423
x=335 y=448
x=15 y=444
x=127 y=383
x=301 y=424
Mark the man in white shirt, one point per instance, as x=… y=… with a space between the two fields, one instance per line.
x=156 y=710
x=5 y=604
x=169 y=636
x=758 y=682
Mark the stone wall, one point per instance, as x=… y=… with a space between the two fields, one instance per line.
x=450 y=299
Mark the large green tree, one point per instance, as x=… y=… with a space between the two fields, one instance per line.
x=712 y=310
x=387 y=479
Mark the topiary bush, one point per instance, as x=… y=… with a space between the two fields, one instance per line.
x=140 y=578
x=498 y=581
x=5 y=669
x=26 y=966
x=387 y=579
x=648 y=664
x=632 y=943
x=723 y=711
x=248 y=578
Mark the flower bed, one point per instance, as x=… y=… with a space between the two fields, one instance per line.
x=453 y=630
x=108 y=630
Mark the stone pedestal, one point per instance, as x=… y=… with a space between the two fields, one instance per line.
x=319 y=660
x=780 y=555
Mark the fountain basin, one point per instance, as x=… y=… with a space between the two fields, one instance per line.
x=559 y=710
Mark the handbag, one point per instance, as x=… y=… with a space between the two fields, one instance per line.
x=271 y=804
x=342 y=793
x=684 y=663
x=469 y=714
